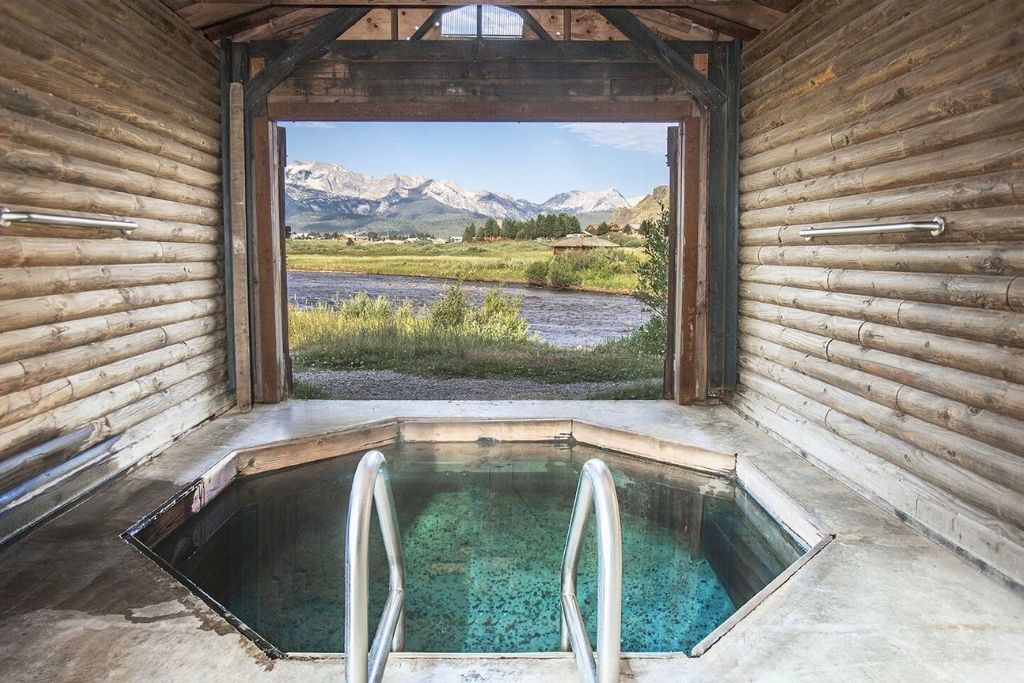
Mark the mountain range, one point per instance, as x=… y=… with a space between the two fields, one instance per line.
x=325 y=197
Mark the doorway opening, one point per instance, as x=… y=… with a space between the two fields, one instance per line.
x=478 y=260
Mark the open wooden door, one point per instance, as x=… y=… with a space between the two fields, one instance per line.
x=686 y=356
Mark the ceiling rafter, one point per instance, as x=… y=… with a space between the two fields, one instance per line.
x=242 y=20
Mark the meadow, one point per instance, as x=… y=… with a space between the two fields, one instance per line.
x=510 y=261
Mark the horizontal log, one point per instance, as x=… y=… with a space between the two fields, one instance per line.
x=990 y=224
x=825 y=29
x=987 y=259
x=954 y=161
x=166 y=25
x=955 y=321
x=126 y=50
x=45 y=251
x=983 y=493
x=46 y=107
x=987 y=461
x=26 y=403
x=1003 y=118
x=926 y=507
x=42 y=368
x=991 y=190
x=28 y=342
x=18 y=283
x=57 y=308
x=891 y=27
x=805 y=14
x=38 y=75
x=19 y=159
x=999 y=397
x=99 y=408
x=966 y=54
x=62 y=195
x=118 y=81
x=956 y=290
x=149 y=230
x=34 y=132
x=943 y=104
x=153 y=433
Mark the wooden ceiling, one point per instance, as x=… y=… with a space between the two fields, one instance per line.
x=246 y=20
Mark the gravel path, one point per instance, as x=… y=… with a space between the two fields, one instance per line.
x=389 y=385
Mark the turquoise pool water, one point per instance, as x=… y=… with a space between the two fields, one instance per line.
x=483 y=529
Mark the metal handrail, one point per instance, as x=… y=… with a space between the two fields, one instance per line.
x=935 y=227
x=596 y=487
x=7 y=217
x=363 y=663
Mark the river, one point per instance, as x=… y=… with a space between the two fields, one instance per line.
x=564 y=318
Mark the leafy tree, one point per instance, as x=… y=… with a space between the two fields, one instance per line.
x=652 y=274
x=603 y=228
x=490 y=229
x=509 y=228
x=372 y=236
x=469 y=234
x=349 y=242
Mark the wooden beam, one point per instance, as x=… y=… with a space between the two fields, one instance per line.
x=661 y=53
x=531 y=22
x=316 y=40
x=488 y=110
x=425 y=27
x=239 y=251
x=245 y=22
x=715 y=23
x=496 y=50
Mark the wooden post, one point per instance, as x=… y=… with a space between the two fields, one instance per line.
x=239 y=255
x=671 y=315
x=691 y=366
x=267 y=267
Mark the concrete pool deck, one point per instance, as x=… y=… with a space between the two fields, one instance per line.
x=880 y=602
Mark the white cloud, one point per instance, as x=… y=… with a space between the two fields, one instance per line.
x=640 y=137
x=312 y=124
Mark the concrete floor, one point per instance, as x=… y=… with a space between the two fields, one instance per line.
x=881 y=602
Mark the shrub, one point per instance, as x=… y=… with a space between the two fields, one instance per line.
x=562 y=273
x=537 y=273
x=498 y=318
x=450 y=310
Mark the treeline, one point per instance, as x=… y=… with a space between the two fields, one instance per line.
x=544 y=225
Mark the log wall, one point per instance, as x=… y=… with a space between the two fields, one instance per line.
x=108 y=108
x=895 y=361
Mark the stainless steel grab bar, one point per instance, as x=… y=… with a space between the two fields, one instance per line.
x=7 y=217
x=597 y=488
x=935 y=226
x=371 y=483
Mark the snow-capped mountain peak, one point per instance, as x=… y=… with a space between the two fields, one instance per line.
x=579 y=201
x=318 y=192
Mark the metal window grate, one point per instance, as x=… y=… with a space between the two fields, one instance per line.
x=494 y=22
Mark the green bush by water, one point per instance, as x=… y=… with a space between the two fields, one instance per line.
x=454 y=338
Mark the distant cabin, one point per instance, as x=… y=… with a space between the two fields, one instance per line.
x=580 y=243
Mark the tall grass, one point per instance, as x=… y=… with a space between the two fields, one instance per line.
x=453 y=338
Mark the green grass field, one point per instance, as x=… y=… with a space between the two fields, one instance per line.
x=499 y=261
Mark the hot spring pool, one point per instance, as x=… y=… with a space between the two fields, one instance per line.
x=483 y=528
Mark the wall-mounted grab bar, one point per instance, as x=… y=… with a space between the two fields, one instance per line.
x=371 y=484
x=596 y=489
x=7 y=217
x=935 y=226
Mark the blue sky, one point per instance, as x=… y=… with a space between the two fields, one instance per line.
x=526 y=160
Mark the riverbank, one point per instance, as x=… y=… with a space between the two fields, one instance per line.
x=564 y=318
x=501 y=261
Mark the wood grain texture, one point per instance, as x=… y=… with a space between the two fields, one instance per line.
x=109 y=108
x=902 y=354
